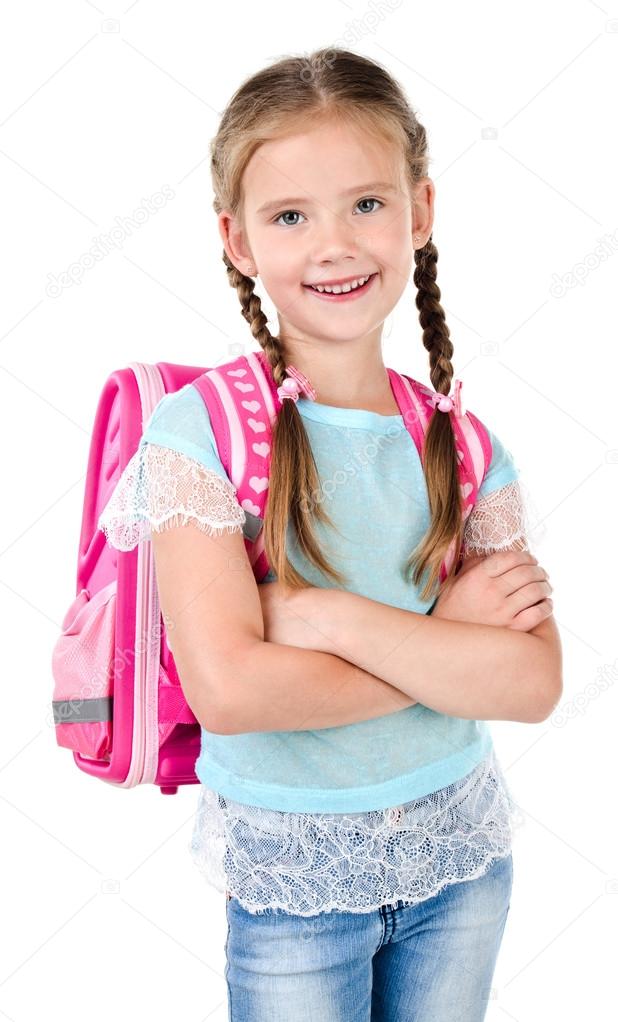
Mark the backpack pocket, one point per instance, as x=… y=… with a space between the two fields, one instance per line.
x=83 y=670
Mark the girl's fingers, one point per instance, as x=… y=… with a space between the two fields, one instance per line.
x=528 y=596
x=520 y=577
x=532 y=616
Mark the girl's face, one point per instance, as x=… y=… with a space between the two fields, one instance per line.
x=322 y=206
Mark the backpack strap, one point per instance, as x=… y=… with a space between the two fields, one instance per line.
x=242 y=402
x=474 y=449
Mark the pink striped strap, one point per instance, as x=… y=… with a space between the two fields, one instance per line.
x=473 y=444
x=242 y=403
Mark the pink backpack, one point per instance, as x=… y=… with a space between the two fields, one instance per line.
x=117 y=702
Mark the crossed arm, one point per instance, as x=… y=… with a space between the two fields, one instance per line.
x=382 y=640
x=502 y=673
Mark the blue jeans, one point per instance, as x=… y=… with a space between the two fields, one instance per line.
x=429 y=962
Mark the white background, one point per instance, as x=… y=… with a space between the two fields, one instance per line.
x=100 y=108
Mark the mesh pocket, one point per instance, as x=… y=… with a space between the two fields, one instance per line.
x=83 y=670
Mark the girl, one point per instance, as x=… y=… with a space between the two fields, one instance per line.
x=351 y=804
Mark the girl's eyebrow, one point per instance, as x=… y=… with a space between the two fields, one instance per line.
x=383 y=186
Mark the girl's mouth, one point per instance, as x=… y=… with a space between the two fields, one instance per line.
x=345 y=296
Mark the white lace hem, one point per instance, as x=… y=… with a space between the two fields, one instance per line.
x=161 y=488
x=501 y=520
x=307 y=863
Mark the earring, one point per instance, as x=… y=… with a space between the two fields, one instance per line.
x=417 y=238
x=250 y=271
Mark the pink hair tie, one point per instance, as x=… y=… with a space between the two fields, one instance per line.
x=446 y=402
x=295 y=384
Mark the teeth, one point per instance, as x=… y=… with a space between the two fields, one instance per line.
x=338 y=289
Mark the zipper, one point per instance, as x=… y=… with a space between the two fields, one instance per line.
x=145 y=744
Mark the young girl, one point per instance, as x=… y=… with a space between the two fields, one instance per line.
x=351 y=803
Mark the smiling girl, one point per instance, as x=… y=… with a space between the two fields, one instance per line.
x=351 y=803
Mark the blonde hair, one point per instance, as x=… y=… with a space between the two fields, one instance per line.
x=330 y=84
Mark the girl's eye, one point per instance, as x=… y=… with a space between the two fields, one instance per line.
x=294 y=212
x=370 y=200
x=287 y=213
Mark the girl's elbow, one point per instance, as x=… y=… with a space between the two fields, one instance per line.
x=547 y=696
x=548 y=671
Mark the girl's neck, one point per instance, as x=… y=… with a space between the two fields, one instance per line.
x=348 y=375
x=338 y=393
x=386 y=406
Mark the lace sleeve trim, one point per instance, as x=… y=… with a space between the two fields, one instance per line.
x=499 y=521
x=161 y=488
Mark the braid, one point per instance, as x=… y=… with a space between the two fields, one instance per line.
x=293 y=471
x=251 y=308
x=441 y=464
x=436 y=334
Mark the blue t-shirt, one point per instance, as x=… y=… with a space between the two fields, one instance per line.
x=375 y=493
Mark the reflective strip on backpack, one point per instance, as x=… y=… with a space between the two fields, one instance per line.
x=252 y=526
x=82 y=711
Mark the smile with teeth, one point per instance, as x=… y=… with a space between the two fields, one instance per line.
x=338 y=289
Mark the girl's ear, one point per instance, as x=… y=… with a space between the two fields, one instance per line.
x=238 y=252
x=423 y=211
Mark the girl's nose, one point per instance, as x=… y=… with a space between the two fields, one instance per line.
x=336 y=241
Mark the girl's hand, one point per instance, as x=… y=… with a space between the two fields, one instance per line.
x=290 y=618
x=508 y=588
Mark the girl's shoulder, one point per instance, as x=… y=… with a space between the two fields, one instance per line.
x=502 y=468
x=180 y=421
x=181 y=412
